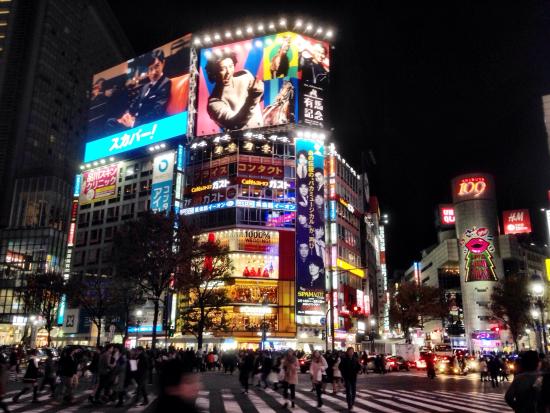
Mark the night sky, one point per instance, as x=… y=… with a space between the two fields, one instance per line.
x=429 y=93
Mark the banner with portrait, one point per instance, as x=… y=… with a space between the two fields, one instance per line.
x=310 y=228
x=135 y=95
x=257 y=82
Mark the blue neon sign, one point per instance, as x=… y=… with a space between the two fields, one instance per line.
x=77 y=181
x=138 y=137
x=144 y=329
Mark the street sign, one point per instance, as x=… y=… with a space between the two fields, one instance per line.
x=323 y=321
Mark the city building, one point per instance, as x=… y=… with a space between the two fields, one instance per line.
x=48 y=51
x=263 y=182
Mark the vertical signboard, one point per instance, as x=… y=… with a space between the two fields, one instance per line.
x=310 y=228
x=161 y=189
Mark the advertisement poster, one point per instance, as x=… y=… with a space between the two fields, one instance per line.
x=161 y=189
x=99 y=184
x=310 y=228
x=137 y=99
x=255 y=83
x=478 y=249
x=517 y=221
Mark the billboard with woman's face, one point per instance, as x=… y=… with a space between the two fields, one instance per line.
x=263 y=81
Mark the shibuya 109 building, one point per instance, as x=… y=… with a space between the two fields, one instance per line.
x=230 y=131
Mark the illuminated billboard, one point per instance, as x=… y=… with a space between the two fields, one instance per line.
x=139 y=102
x=517 y=221
x=161 y=188
x=446 y=215
x=310 y=228
x=99 y=184
x=478 y=249
x=472 y=187
x=265 y=81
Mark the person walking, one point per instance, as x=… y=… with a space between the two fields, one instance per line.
x=430 y=366
x=105 y=368
x=483 y=370
x=246 y=366
x=49 y=373
x=14 y=364
x=68 y=368
x=30 y=378
x=494 y=370
x=317 y=370
x=336 y=374
x=290 y=367
x=267 y=364
x=4 y=368
x=119 y=373
x=350 y=368
x=141 y=376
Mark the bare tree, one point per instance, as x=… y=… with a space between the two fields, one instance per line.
x=147 y=252
x=414 y=305
x=202 y=277
x=94 y=293
x=41 y=295
x=510 y=303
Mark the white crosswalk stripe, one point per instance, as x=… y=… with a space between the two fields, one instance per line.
x=369 y=400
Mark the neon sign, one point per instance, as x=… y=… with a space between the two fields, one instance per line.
x=472 y=186
x=447 y=215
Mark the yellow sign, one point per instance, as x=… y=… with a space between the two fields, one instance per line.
x=348 y=267
x=201 y=188
x=547 y=261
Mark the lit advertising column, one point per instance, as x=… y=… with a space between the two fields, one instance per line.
x=480 y=263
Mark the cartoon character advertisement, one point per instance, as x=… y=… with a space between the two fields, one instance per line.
x=478 y=248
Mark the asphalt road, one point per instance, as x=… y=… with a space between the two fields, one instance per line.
x=403 y=392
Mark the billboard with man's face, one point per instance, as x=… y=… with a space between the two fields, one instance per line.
x=270 y=80
x=139 y=102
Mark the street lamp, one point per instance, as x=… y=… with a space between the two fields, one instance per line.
x=537 y=289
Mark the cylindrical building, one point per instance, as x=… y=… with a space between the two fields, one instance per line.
x=480 y=263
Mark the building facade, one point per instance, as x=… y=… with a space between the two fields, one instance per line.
x=48 y=51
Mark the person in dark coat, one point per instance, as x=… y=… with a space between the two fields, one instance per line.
x=494 y=370
x=30 y=378
x=179 y=389
x=246 y=366
x=267 y=364
x=141 y=376
x=350 y=368
x=68 y=366
x=49 y=373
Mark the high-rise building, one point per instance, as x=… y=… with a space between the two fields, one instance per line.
x=48 y=51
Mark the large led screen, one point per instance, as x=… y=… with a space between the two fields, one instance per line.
x=141 y=101
x=263 y=81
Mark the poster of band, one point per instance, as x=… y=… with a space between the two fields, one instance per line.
x=310 y=228
x=99 y=184
x=268 y=80
x=141 y=91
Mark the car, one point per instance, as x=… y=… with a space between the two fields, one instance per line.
x=305 y=363
x=396 y=363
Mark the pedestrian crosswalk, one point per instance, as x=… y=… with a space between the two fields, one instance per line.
x=368 y=400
